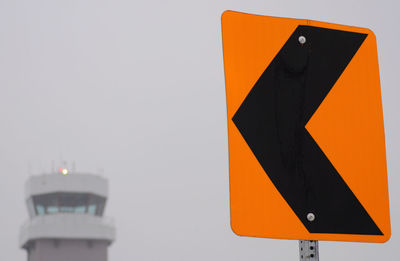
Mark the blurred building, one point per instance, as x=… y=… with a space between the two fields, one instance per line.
x=66 y=221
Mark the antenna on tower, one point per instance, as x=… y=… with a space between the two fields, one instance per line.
x=29 y=168
x=42 y=167
x=52 y=170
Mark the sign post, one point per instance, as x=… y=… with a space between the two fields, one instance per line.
x=308 y=250
x=307 y=156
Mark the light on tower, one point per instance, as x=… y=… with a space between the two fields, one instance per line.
x=64 y=171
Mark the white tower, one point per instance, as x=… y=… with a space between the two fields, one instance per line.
x=66 y=218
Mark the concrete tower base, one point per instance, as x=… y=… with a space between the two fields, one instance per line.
x=67 y=250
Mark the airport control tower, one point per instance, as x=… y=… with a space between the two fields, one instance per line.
x=66 y=218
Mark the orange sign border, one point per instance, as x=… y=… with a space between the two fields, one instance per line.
x=250 y=42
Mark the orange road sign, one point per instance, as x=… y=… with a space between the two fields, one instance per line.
x=306 y=137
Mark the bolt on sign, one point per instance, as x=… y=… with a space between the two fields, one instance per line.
x=306 y=137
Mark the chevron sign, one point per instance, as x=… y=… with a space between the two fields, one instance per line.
x=306 y=136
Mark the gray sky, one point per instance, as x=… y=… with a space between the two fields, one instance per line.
x=137 y=88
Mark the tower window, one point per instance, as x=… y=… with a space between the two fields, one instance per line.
x=40 y=209
x=52 y=203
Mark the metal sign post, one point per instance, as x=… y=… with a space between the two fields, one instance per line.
x=308 y=250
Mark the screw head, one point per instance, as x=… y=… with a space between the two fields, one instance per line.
x=302 y=39
x=310 y=217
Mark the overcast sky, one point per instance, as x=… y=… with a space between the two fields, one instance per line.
x=136 y=89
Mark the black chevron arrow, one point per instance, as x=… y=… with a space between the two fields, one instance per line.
x=272 y=121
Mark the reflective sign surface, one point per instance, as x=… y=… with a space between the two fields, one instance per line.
x=306 y=138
